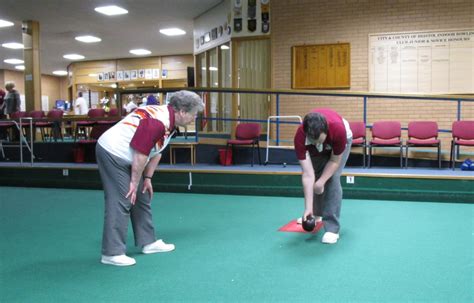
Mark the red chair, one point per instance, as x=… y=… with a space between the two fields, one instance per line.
x=463 y=135
x=386 y=134
x=35 y=114
x=55 y=126
x=423 y=134
x=247 y=134
x=92 y=113
x=359 y=138
x=10 y=126
x=113 y=113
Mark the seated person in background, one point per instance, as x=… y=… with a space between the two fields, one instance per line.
x=152 y=100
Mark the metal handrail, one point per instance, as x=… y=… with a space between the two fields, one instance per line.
x=19 y=127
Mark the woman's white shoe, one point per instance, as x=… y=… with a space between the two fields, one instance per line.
x=156 y=247
x=120 y=260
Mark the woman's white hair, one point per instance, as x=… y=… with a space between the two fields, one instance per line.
x=187 y=101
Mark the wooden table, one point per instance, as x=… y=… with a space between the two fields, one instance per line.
x=191 y=145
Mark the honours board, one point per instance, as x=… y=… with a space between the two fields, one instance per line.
x=422 y=62
x=321 y=66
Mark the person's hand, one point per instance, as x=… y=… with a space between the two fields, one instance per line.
x=132 y=193
x=318 y=188
x=307 y=213
x=147 y=187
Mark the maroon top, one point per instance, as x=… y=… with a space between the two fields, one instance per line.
x=2 y=96
x=336 y=139
x=149 y=132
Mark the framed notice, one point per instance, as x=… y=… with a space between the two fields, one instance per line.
x=156 y=73
x=322 y=66
x=148 y=74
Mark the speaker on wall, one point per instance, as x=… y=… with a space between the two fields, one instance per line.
x=190 y=76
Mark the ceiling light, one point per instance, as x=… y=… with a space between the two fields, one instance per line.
x=213 y=68
x=224 y=47
x=20 y=67
x=140 y=51
x=60 y=72
x=93 y=75
x=172 y=31
x=111 y=10
x=73 y=57
x=13 y=45
x=88 y=39
x=13 y=61
x=5 y=23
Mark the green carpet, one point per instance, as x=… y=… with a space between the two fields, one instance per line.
x=228 y=250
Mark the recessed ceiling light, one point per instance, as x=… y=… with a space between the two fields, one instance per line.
x=60 y=72
x=93 y=75
x=20 y=67
x=224 y=47
x=172 y=31
x=73 y=57
x=5 y=23
x=213 y=68
x=111 y=10
x=13 y=61
x=140 y=51
x=13 y=45
x=88 y=39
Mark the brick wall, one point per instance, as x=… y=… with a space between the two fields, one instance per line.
x=296 y=22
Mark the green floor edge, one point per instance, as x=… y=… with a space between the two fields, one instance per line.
x=374 y=188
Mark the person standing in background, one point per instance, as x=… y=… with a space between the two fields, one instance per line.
x=80 y=105
x=131 y=105
x=3 y=131
x=2 y=104
x=12 y=100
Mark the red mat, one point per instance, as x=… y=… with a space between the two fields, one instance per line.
x=297 y=228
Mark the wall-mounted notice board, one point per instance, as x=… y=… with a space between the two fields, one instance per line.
x=321 y=66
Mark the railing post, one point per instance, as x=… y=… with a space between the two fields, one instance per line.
x=21 y=142
x=458 y=116
x=459 y=110
x=365 y=110
x=277 y=120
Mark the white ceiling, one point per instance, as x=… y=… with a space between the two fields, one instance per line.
x=62 y=20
